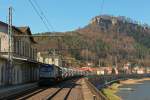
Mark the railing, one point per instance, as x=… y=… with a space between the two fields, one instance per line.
x=110 y=79
x=97 y=94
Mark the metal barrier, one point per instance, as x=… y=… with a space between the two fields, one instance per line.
x=110 y=79
x=97 y=94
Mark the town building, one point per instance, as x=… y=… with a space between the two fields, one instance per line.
x=127 y=68
x=147 y=70
x=45 y=57
x=101 y=70
x=106 y=70
x=23 y=66
x=139 y=70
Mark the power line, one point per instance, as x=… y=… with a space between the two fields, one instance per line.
x=36 y=10
x=48 y=22
x=39 y=35
x=102 y=7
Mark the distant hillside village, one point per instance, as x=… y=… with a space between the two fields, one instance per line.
x=26 y=58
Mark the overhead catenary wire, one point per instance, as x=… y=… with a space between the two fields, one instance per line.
x=38 y=13
x=38 y=35
x=101 y=12
x=42 y=13
x=102 y=7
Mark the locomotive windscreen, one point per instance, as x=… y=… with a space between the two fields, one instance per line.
x=46 y=70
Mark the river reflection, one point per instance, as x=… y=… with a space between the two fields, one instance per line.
x=135 y=91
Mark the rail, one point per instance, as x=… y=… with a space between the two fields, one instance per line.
x=65 y=88
x=15 y=91
x=26 y=95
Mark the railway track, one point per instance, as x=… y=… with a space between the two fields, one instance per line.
x=62 y=91
x=28 y=95
x=67 y=91
x=20 y=94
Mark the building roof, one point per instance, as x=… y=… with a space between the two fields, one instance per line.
x=6 y=57
x=46 y=54
x=27 y=30
x=21 y=30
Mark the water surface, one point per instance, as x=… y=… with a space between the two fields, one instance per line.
x=140 y=91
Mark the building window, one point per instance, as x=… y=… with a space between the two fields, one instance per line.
x=0 y=44
x=19 y=47
x=27 y=49
x=14 y=46
x=32 y=53
x=35 y=54
x=43 y=60
x=53 y=59
x=22 y=48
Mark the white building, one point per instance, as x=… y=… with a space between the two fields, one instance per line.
x=45 y=57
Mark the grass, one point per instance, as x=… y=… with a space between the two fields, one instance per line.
x=110 y=92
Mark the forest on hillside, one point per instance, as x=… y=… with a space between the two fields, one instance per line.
x=105 y=41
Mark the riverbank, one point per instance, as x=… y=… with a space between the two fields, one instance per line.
x=110 y=91
x=134 y=81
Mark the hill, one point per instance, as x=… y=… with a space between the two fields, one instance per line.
x=105 y=40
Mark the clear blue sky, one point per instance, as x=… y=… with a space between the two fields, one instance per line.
x=67 y=15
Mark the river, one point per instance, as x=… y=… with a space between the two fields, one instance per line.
x=137 y=92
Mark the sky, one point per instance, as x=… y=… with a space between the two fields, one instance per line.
x=68 y=15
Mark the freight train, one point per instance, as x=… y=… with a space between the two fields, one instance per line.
x=50 y=74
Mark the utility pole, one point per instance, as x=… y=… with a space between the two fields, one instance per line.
x=9 y=66
x=99 y=62
x=59 y=50
x=87 y=55
x=59 y=45
x=117 y=51
x=54 y=57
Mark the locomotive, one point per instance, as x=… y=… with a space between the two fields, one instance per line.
x=50 y=74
